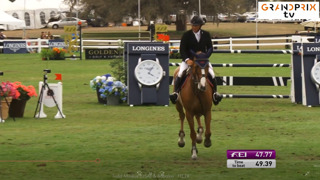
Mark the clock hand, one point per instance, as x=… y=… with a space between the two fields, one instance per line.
x=150 y=74
x=150 y=69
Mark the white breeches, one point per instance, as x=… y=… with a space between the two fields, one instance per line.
x=184 y=66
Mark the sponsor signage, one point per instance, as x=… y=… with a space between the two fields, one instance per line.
x=14 y=47
x=59 y=43
x=103 y=53
x=311 y=48
x=157 y=49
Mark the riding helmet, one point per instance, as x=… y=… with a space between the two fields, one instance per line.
x=196 y=21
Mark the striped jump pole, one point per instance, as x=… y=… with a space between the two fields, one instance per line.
x=255 y=96
x=257 y=51
x=241 y=65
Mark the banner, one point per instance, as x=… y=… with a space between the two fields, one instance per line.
x=103 y=53
x=59 y=43
x=14 y=47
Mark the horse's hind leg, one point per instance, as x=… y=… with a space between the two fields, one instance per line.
x=200 y=130
x=181 y=141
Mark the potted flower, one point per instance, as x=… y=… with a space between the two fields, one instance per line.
x=110 y=90
x=114 y=91
x=96 y=84
x=57 y=53
x=7 y=93
x=44 y=53
x=24 y=93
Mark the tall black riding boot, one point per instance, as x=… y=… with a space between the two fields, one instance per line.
x=177 y=86
x=216 y=97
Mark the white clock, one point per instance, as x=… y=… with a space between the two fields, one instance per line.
x=315 y=73
x=149 y=72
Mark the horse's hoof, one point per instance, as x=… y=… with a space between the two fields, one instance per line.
x=207 y=143
x=194 y=152
x=194 y=157
x=199 y=139
x=181 y=144
x=199 y=135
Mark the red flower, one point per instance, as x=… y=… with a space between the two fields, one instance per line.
x=25 y=92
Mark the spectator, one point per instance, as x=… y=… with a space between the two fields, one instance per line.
x=2 y=36
x=151 y=28
x=49 y=36
x=43 y=35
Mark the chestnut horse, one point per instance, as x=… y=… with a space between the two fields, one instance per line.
x=195 y=98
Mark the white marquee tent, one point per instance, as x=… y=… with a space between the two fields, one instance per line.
x=10 y=22
x=35 y=12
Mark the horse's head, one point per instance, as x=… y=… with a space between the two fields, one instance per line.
x=200 y=67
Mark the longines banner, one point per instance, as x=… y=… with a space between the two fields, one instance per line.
x=103 y=53
x=14 y=47
x=59 y=43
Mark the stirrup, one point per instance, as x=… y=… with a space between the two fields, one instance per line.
x=216 y=98
x=174 y=97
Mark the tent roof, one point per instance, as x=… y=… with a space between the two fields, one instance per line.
x=32 y=4
x=9 y=20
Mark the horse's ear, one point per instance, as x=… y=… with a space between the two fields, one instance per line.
x=193 y=53
x=209 y=52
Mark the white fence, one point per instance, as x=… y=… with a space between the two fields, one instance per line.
x=37 y=44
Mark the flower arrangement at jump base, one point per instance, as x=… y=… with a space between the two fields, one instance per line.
x=108 y=87
x=53 y=54
x=58 y=53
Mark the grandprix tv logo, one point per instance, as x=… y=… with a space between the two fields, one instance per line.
x=288 y=10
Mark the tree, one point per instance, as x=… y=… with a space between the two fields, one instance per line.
x=112 y=10
x=71 y=4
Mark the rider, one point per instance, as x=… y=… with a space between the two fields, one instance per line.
x=195 y=39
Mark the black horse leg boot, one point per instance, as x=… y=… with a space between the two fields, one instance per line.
x=174 y=95
x=216 y=97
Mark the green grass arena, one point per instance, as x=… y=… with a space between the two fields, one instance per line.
x=141 y=142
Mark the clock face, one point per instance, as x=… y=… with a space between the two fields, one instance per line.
x=315 y=73
x=148 y=72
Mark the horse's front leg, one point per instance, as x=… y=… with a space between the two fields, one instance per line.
x=181 y=141
x=194 y=150
x=207 y=141
x=200 y=130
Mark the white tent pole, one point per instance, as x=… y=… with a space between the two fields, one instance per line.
x=256 y=18
x=24 y=17
x=139 y=18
